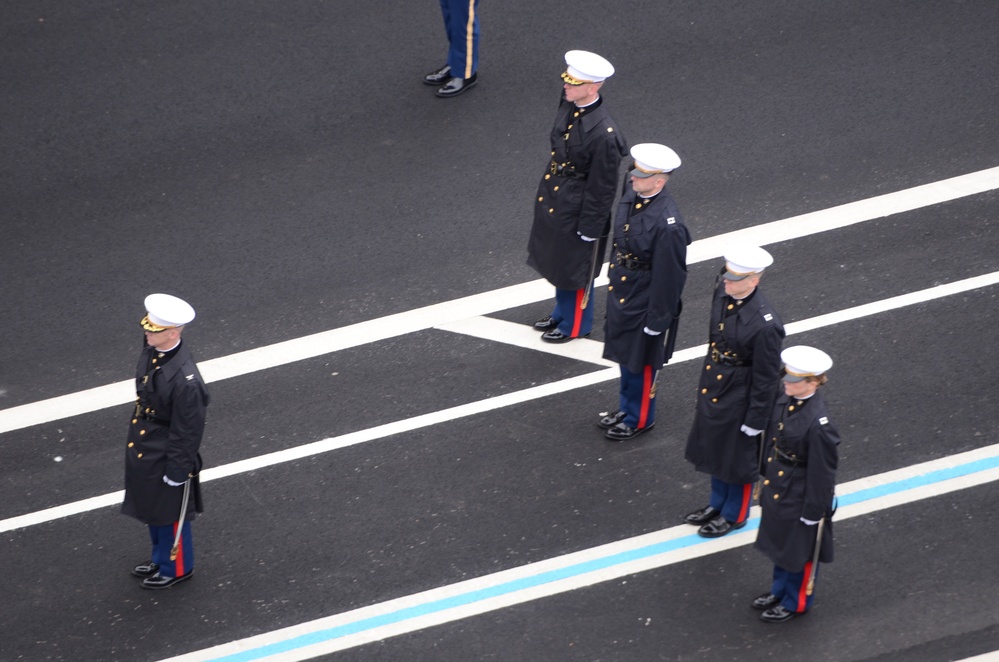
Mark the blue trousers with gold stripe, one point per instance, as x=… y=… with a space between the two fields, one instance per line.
x=636 y=398
x=573 y=320
x=461 y=20
x=791 y=588
x=162 y=537
x=732 y=499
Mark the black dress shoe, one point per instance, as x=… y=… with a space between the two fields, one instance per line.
x=557 y=336
x=438 y=76
x=456 y=86
x=779 y=614
x=609 y=420
x=702 y=516
x=718 y=527
x=765 y=601
x=622 y=432
x=546 y=324
x=147 y=569
x=158 y=581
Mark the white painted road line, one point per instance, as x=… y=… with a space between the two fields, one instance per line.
x=523 y=335
x=489 y=404
x=584 y=568
x=298 y=349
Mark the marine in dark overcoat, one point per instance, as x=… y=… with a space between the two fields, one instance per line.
x=162 y=462
x=735 y=392
x=801 y=455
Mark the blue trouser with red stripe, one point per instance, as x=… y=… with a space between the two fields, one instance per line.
x=732 y=499
x=573 y=320
x=636 y=399
x=791 y=588
x=462 y=24
x=162 y=537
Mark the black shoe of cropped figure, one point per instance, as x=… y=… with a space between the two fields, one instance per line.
x=456 y=86
x=702 y=516
x=158 y=581
x=718 y=527
x=557 y=336
x=779 y=614
x=545 y=324
x=622 y=432
x=147 y=569
x=610 y=419
x=765 y=601
x=438 y=76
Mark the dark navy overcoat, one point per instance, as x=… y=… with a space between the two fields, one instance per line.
x=164 y=437
x=576 y=195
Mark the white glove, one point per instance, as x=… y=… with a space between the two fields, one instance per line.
x=809 y=522
x=752 y=432
x=171 y=483
x=651 y=332
x=584 y=237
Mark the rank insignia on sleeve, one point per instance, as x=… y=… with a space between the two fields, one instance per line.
x=189 y=377
x=768 y=317
x=671 y=220
x=823 y=421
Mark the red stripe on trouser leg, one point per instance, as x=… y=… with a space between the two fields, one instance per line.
x=747 y=495
x=643 y=413
x=803 y=590
x=577 y=314
x=179 y=562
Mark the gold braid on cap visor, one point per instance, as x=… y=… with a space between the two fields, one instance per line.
x=649 y=172
x=799 y=374
x=155 y=328
x=574 y=81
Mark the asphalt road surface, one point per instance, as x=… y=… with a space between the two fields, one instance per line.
x=385 y=434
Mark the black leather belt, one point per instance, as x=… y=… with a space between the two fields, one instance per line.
x=560 y=170
x=789 y=460
x=631 y=263
x=718 y=357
